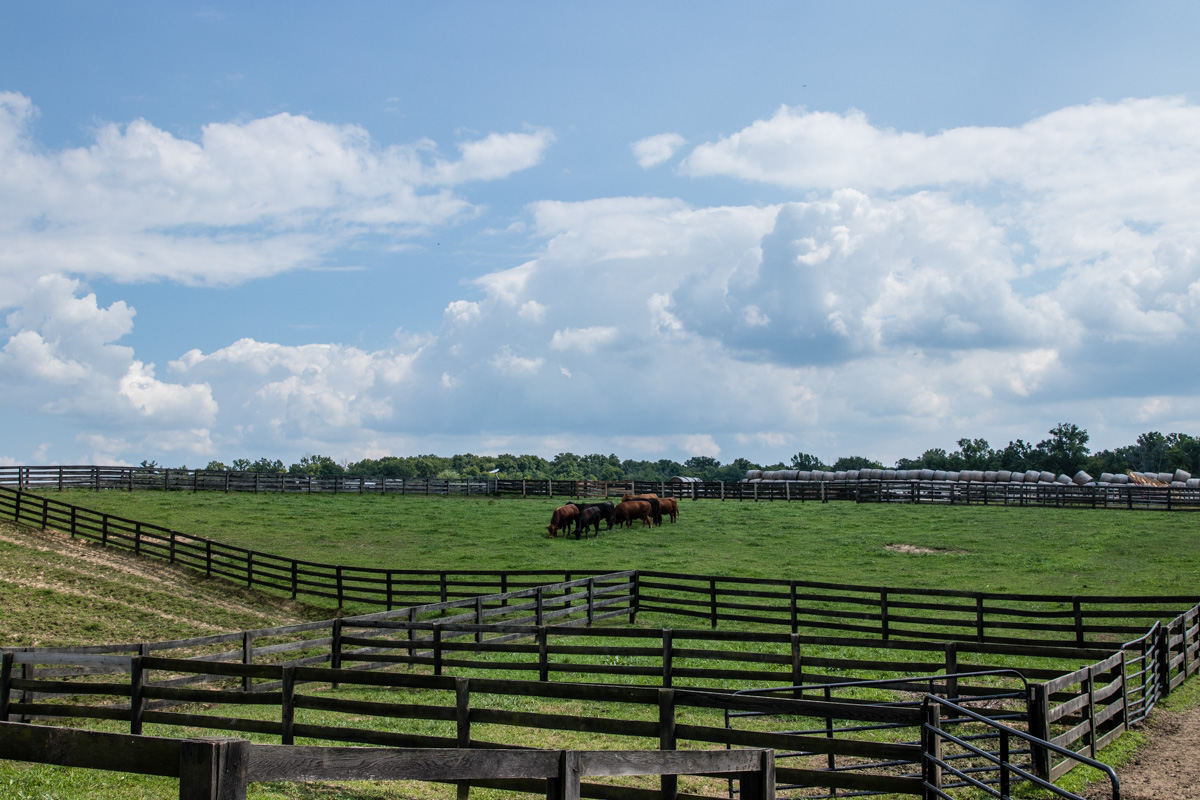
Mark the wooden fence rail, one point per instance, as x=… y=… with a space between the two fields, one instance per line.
x=220 y=769
x=1055 y=495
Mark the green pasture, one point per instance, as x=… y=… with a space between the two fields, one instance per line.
x=978 y=548
x=996 y=549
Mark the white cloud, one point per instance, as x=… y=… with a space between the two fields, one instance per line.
x=510 y=364
x=498 y=155
x=532 y=311
x=654 y=150
x=584 y=340
x=245 y=200
x=462 y=312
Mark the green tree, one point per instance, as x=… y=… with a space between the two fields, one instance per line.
x=1017 y=456
x=217 y=466
x=807 y=462
x=1183 y=452
x=316 y=465
x=975 y=454
x=1066 y=450
x=855 y=462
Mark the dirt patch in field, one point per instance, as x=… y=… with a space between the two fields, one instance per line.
x=1166 y=766
x=912 y=549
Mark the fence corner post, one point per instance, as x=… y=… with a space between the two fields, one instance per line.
x=931 y=742
x=213 y=769
x=666 y=739
x=1039 y=726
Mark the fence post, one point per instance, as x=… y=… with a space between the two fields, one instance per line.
x=339 y=585
x=1078 y=608
x=1039 y=726
x=883 y=614
x=295 y=579
x=540 y=608
x=287 y=705
x=390 y=578
x=668 y=657
x=137 y=696
x=208 y=558
x=543 y=654
x=462 y=718
x=952 y=671
x=712 y=602
x=247 y=659
x=979 y=617
x=335 y=648
x=669 y=784
x=591 y=601
x=793 y=609
x=797 y=665
x=635 y=597
x=932 y=741
x=437 y=649
x=6 y=665
x=213 y=769
x=1163 y=656
x=250 y=572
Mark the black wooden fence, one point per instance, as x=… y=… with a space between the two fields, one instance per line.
x=1053 y=495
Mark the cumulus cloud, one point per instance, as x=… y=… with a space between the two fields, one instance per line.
x=584 y=340
x=654 y=150
x=244 y=200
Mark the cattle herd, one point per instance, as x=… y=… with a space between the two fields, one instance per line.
x=649 y=508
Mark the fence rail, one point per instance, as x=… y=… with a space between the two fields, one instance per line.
x=221 y=768
x=1055 y=495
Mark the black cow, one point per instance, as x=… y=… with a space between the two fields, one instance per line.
x=588 y=517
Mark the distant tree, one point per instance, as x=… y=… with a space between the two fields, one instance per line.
x=1017 y=455
x=218 y=466
x=566 y=466
x=149 y=464
x=934 y=458
x=975 y=454
x=315 y=465
x=241 y=465
x=808 y=462
x=1066 y=451
x=702 y=467
x=736 y=470
x=855 y=462
x=1183 y=452
x=265 y=464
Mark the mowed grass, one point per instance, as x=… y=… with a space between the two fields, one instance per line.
x=977 y=548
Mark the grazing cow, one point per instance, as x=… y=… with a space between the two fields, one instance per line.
x=562 y=518
x=670 y=507
x=629 y=510
x=588 y=517
x=652 y=499
x=605 y=509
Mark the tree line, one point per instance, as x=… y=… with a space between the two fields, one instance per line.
x=1064 y=451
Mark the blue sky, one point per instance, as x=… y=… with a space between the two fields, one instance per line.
x=654 y=229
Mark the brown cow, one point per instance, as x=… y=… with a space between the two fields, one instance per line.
x=629 y=510
x=563 y=517
x=670 y=507
x=652 y=499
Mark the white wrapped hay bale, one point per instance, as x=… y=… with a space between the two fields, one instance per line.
x=1182 y=475
x=1165 y=477
x=1106 y=477
x=953 y=477
x=1081 y=478
x=925 y=475
x=1192 y=483
x=852 y=474
x=753 y=474
x=991 y=476
x=804 y=475
x=1045 y=477
x=1003 y=476
x=1063 y=479
x=1033 y=476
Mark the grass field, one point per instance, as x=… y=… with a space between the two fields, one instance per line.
x=1061 y=551
x=993 y=549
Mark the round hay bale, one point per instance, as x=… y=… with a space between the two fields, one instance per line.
x=1045 y=477
x=1106 y=477
x=851 y=474
x=752 y=474
x=1063 y=479
x=939 y=474
x=1182 y=475
x=1017 y=477
x=925 y=475
x=954 y=477
x=804 y=475
x=1033 y=476
x=1082 y=478
x=991 y=476
x=1119 y=480
x=840 y=475
x=1165 y=477
x=1192 y=483
x=1003 y=476
x=888 y=474
x=1178 y=484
